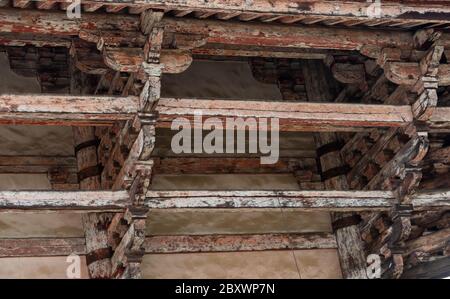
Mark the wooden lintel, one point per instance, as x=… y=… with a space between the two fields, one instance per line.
x=292 y=116
x=65 y=109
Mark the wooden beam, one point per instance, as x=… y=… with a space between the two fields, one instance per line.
x=233 y=243
x=435 y=269
x=439 y=121
x=353 y=9
x=116 y=201
x=35 y=164
x=207 y=165
x=293 y=116
x=64 y=200
x=252 y=34
x=407 y=73
x=57 y=24
x=65 y=110
x=39 y=247
x=34 y=247
x=350 y=248
x=307 y=200
x=429 y=243
x=222 y=32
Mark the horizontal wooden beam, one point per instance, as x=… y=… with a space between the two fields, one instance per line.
x=65 y=109
x=63 y=200
x=42 y=247
x=440 y=120
x=307 y=200
x=40 y=109
x=397 y=10
x=218 y=32
x=36 y=164
x=292 y=116
x=56 y=23
x=254 y=34
x=214 y=165
x=230 y=243
x=37 y=247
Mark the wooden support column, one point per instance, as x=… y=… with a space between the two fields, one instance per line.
x=348 y=238
x=136 y=171
x=95 y=224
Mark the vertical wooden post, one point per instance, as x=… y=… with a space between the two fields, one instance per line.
x=95 y=224
x=348 y=237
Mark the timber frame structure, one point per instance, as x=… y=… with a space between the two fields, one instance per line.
x=374 y=90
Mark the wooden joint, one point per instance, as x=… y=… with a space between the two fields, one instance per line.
x=83 y=145
x=98 y=254
x=88 y=172
x=335 y=172
x=329 y=148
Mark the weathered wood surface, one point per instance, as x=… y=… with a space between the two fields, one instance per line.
x=226 y=32
x=439 y=120
x=293 y=116
x=429 y=243
x=391 y=9
x=436 y=269
x=349 y=243
x=222 y=32
x=23 y=247
x=57 y=23
x=231 y=243
x=415 y=149
x=321 y=200
x=118 y=200
x=208 y=165
x=131 y=59
x=407 y=73
x=36 y=164
x=65 y=109
x=71 y=200
x=42 y=247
